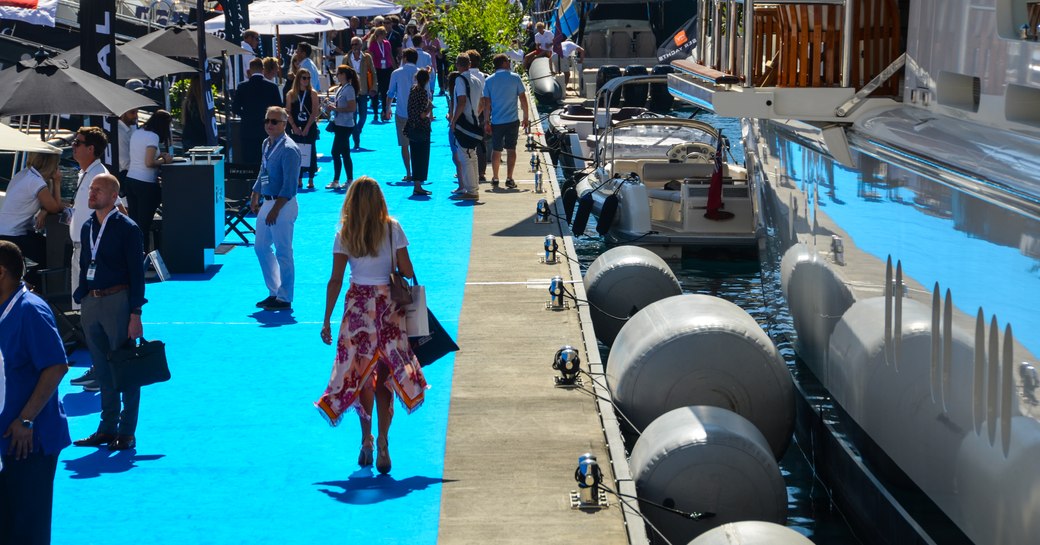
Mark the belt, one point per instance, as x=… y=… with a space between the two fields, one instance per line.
x=107 y=291
x=273 y=197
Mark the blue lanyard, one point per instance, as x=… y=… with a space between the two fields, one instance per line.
x=269 y=149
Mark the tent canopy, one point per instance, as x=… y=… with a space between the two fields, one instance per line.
x=15 y=140
x=352 y=8
x=270 y=17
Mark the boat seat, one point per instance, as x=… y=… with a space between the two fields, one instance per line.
x=646 y=44
x=665 y=195
x=621 y=45
x=678 y=171
x=596 y=45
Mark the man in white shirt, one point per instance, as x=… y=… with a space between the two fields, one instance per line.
x=543 y=40
x=570 y=50
x=251 y=43
x=467 y=92
x=127 y=126
x=89 y=144
x=401 y=81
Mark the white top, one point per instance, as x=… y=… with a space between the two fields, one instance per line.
x=139 y=144
x=568 y=48
x=80 y=210
x=247 y=57
x=544 y=39
x=476 y=90
x=478 y=74
x=21 y=204
x=369 y=270
x=315 y=76
x=125 y=132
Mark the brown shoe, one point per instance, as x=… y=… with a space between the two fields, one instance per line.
x=123 y=442
x=96 y=439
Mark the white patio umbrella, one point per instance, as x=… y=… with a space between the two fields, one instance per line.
x=15 y=140
x=270 y=17
x=354 y=8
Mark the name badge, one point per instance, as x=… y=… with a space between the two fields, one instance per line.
x=382 y=63
x=301 y=117
x=91 y=270
x=264 y=179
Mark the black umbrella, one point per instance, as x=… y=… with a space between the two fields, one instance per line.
x=53 y=87
x=182 y=41
x=136 y=63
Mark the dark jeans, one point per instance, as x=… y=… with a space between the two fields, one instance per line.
x=341 y=153
x=105 y=321
x=383 y=76
x=360 y=116
x=419 y=151
x=26 y=499
x=142 y=200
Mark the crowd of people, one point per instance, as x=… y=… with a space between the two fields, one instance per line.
x=385 y=67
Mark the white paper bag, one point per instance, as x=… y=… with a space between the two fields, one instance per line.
x=417 y=320
x=305 y=155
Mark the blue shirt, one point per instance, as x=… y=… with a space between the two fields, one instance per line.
x=280 y=168
x=401 y=82
x=503 y=88
x=30 y=343
x=120 y=257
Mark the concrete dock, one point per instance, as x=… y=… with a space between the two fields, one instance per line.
x=513 y=438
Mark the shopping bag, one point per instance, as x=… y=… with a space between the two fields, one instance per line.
x=135 y=365
x=417 y=320
x=305 y=155
x=434 y=346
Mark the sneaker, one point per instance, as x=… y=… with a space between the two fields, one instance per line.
x=494 y=183
x=482 y=179
x=278 y=305
x=270 y=299
x=333 y=185
x=465 y=197
x=457 y=190
x=93 y=386
x=87 y=378
x=510 y=184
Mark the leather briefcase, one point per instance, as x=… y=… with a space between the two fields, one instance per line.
x=135 y=365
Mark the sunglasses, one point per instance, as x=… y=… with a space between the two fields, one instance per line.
x=77 y=143
x=304 y=78
x=273 y=121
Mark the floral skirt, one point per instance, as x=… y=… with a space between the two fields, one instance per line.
x=372 y=333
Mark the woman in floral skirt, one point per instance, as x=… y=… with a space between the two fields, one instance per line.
x=373 y=357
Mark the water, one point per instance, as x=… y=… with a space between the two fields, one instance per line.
x=740 y=279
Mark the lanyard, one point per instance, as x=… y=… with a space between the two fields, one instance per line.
x=382 y=54
x=14 y=300
x=96 y=243
x=270 y=149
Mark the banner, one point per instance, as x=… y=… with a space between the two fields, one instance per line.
x=680 y=44
x=236 y=19
x=209 y=118
x=37 y=12
x=98 y=57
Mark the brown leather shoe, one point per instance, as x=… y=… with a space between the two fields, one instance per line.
x=96 y=439
x=123 y=442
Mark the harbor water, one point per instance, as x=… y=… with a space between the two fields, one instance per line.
x=739 y=277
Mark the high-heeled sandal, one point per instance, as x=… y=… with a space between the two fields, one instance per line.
x=364 y=458
x=383 y=456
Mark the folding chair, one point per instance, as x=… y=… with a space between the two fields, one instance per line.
x=54 y=288
x=238 y=186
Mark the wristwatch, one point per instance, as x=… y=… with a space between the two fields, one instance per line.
x=136 y=311
x=27 y=424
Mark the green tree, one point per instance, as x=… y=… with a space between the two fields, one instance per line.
x=488 y=26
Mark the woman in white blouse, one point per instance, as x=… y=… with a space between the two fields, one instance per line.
x=31 y=193
x=143 y=192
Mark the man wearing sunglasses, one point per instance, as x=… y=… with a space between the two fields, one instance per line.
x=276 y=217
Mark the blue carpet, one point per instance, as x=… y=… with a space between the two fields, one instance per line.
x=231 y=450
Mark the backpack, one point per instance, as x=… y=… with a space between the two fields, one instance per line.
x=467 y=133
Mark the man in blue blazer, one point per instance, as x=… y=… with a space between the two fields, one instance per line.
x=252 y=98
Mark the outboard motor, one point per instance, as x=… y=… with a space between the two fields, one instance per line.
x=635 y=95
x=606 y=73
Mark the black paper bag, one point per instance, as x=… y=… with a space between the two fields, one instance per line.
x=434 y=346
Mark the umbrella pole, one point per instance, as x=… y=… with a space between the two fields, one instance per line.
x=278 y=46
x=166 y=91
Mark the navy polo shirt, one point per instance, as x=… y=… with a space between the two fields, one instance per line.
x=30 y=342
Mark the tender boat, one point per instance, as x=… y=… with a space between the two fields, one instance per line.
x=651 y=187
x=900 y=181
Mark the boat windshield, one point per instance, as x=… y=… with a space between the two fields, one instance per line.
x=651 y=141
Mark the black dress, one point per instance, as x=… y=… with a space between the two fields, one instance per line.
x=301 y=114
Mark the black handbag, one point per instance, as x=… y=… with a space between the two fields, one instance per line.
x=434 y=346
x=400 y=290
x=135 y=365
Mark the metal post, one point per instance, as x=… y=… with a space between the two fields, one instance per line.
x=716 y=33
x=749 y=43
x=702 y=32
x=731 y=37
x=846 y=46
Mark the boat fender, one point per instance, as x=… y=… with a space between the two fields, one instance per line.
x=701 y=350
x=751 y=532
x=581 y=217
x=570 y=198
x=701 y=459
x=622 y=281
x=607 y=214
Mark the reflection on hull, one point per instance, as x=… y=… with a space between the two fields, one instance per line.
x=914 y=301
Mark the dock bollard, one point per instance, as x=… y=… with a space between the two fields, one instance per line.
x=541 y=211
x=568 y=363
x=538 y=182
x=550 y=246
x=589 y=477
x=556 y=291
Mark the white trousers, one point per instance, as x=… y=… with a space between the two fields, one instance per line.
x=277 y=266
x=467 y=169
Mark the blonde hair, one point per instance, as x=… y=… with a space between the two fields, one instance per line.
x=364 y=218
x=44 y=163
